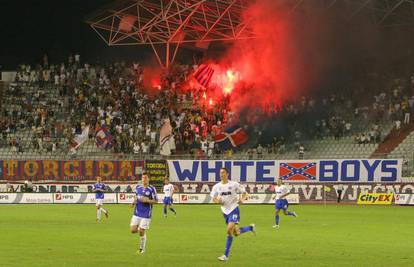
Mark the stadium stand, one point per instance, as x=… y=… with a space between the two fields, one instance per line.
x=47 y=105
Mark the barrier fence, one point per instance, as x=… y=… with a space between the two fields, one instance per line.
x=184 y=198
x=312 y=181
x=307 y=193
x=122 y=198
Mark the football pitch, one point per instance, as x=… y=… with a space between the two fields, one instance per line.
x=67 y=235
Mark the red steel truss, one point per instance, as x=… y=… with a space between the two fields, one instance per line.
x=167 y=24
x=171 y=23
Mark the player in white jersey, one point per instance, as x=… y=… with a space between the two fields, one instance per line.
x=168 y=190
x=281 y=203
x=227 y=193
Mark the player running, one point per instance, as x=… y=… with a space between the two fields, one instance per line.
x=168 y=197
x=99 y=189
x=227 y=193
x=146 y=196
x=281 y=203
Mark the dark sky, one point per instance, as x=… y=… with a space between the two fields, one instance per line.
x=31 y=28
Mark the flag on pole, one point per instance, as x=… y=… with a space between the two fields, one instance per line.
x=80 y=138
x=232 y=137
x=203 y=74
x=167 y=142
x=103 y=138
x=327 y=188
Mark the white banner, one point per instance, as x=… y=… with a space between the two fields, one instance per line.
x=128 y=198
x=268 y=199
x=63 y=198
x=195 y=199
x=110 y=198
x=253 y=199
x=404 y=199
x=176 y=198
x=26 y=198
x=70 y=187
x=125 y=198
x=82 y=198
x=292 y=171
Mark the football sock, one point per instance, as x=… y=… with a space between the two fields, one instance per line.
x=228 y=245
x=246 y=229
x=98 y=214
x=143 y=242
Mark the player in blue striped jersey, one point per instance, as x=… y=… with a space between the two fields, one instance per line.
x=146 y=196
x=99 y=189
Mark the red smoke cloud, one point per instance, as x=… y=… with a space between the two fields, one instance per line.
x=285 y=62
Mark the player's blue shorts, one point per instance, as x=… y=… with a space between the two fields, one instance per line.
x=168 y=201
x=281 y=204
x=233 y=216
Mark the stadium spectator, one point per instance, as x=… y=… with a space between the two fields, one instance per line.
x=28 y=186
x=114 y=94
x=301 y=152
x=259 y=151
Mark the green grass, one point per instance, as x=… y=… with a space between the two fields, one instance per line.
x=67 y=235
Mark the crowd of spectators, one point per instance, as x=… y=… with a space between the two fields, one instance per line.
x=55 y=102
x=52 y=103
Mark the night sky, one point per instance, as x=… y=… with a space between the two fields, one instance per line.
x=31 y=28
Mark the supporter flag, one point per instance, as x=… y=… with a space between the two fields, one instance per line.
x=167 y=142
x=297 y=171
x=103 y=138
x=232 y=137
x=80 y=138
x=203 y=74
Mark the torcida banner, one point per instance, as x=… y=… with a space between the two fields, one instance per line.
x=69 y=170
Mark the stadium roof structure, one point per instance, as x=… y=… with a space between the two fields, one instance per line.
x=165 y=25
x=381 y=12
x=168 y=24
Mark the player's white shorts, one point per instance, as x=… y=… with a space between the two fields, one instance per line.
x=143 y=223
x=99 y=202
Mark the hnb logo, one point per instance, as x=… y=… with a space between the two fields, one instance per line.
x=225 y=193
